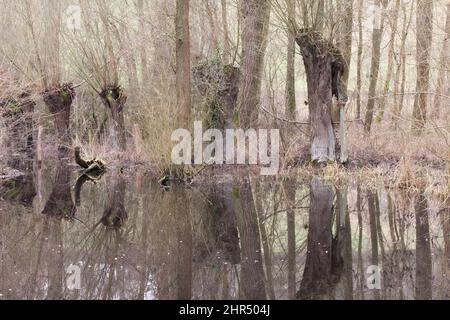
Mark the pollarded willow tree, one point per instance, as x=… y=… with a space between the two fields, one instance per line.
x=324 y=66
x=33 y=49
x=99 y=50
x=58 y=96
x=325 y=45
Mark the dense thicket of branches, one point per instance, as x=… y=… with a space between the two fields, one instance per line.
x=108 y=71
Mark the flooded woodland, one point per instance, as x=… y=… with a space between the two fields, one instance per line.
x=224 y=150
x=238 y=238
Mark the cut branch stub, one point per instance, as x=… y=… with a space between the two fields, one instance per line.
x=114 y=97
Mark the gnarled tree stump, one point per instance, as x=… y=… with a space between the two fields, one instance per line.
x=324 y=66
x=59 y=102
x=218 y=86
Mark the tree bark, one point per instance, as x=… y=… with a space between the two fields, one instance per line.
x=255 y=23
x=378 y=26
x=444 y=67
x=145 y=73
x=226 y=39
x=318 y=59
x=424 y=23
x=183 y=62
x=59 y=101
x=387 y=82
x=359 y=66
x=290 y=67
x=345 y=47
x=114 y=98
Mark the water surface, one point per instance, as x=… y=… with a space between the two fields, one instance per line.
x=229 y=238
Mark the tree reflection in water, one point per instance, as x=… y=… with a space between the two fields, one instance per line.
x=231 y=238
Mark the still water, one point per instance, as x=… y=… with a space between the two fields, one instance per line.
x=124 y=237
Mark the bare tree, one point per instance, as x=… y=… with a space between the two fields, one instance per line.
x=444 y=67
x=226 y=37
x=393 y=23
x=378 y=26
x=183 y=62
x=290 y=66
x=359 y=61
x=424 y=24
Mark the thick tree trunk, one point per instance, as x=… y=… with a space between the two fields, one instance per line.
x=218 y=86
x=59 y=102
x=114 y=98
x=255 y=23
x=345 y=47
x=424 y=23
x=318 y=59
x=226 y=38
x=183 y=62
x=212 y=20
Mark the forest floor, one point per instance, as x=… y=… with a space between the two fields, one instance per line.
x=387 y=155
